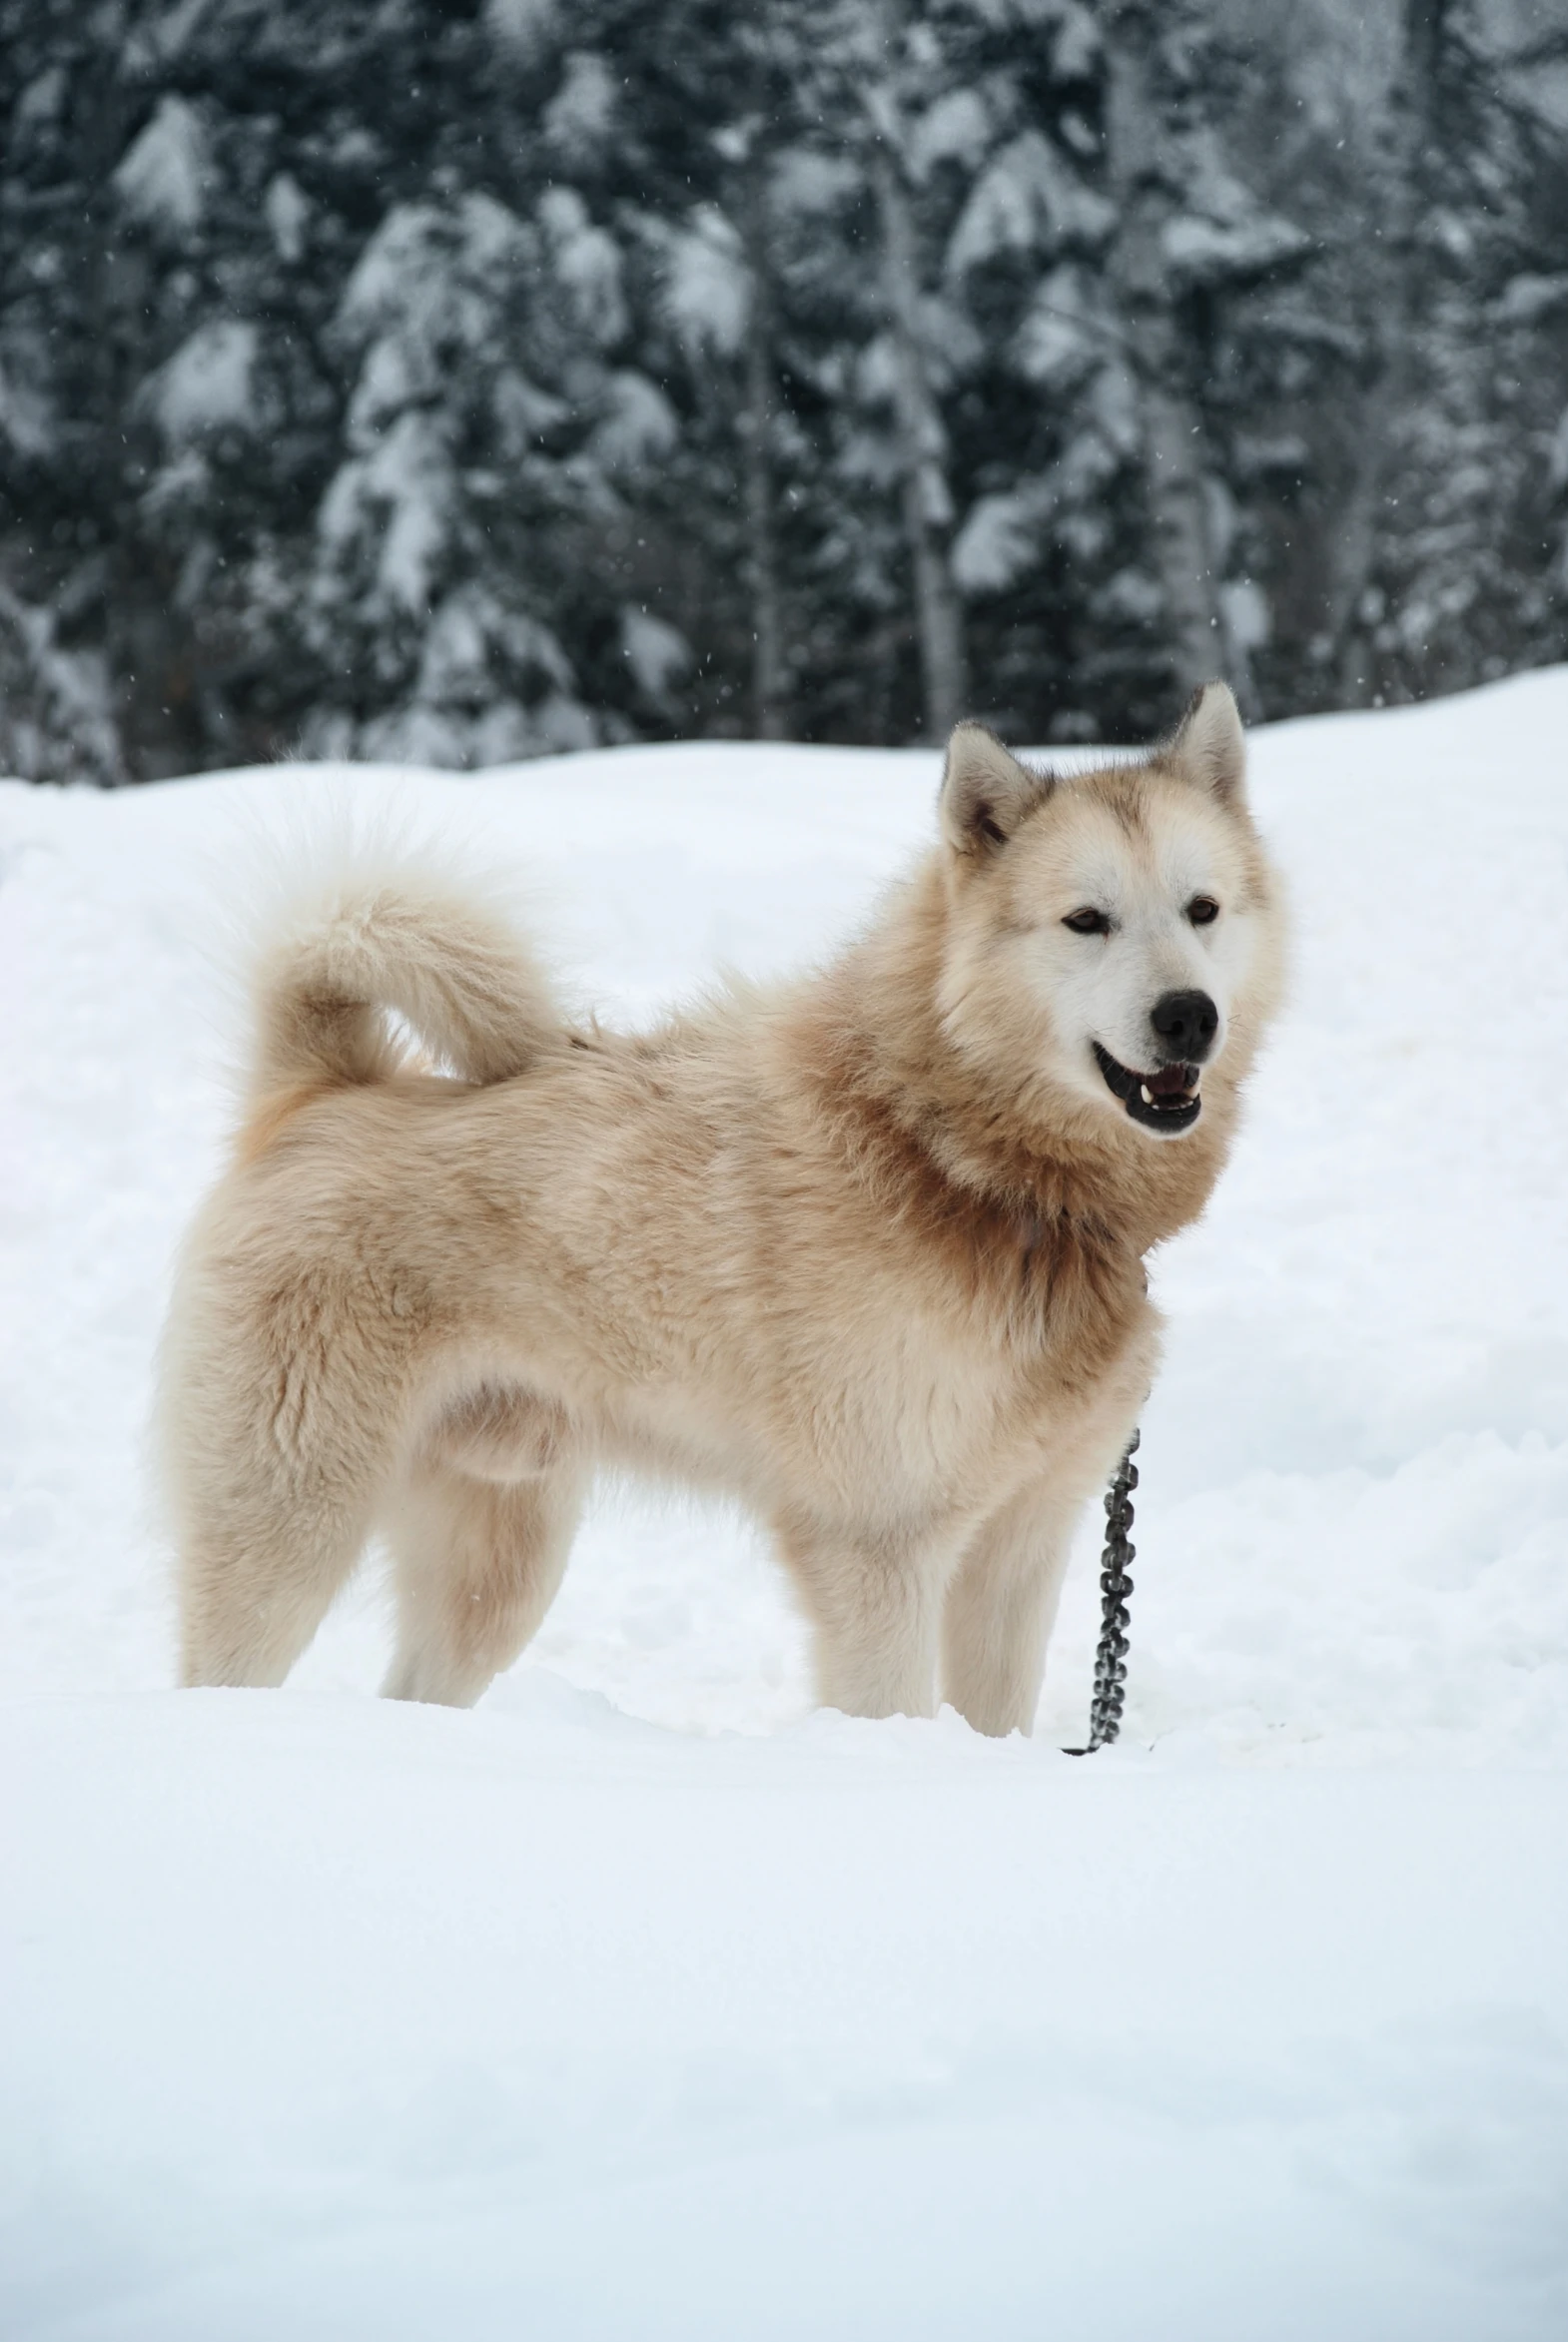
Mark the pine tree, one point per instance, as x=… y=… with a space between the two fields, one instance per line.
x=1442 y=581
x=472 y=432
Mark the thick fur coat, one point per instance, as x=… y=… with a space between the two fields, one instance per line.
x=864 y=1250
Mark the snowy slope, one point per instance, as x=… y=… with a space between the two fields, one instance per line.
x=643 y=2002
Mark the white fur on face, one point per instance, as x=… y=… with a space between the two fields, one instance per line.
x=1078 y=855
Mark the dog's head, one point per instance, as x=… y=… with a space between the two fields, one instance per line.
x=1113 y=924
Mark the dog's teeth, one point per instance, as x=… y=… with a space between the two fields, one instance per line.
x=1148 y=1095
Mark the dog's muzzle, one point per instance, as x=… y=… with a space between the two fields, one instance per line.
x=1167 y=1101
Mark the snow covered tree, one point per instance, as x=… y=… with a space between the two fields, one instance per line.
x=439 y=556
x=1446 y=523
x=1189 y=233
x=1103 y=254
x=684 y=180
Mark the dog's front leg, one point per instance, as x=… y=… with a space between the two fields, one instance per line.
x=1001 y=1607
x=875 y=1601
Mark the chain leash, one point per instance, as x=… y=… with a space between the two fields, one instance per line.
x=1104 y=1711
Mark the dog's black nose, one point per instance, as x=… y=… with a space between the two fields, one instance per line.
x=1186 y=1023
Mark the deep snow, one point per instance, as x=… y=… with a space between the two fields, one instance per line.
x=644 y=2002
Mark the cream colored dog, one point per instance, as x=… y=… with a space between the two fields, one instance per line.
x=864 y=1250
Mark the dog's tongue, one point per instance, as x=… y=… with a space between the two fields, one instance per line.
x=1172 y=1082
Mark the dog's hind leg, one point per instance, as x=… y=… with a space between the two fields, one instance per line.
x=257 y=1582
x=280 y=1414
x=478 y=1564
x=265 y=1542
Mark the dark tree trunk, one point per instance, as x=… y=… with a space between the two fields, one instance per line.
x=925 y=498
x=769 y=666
x=1175 y=438
x=1394 y=359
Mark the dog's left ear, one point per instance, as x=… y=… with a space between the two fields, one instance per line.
x=986 y=792
x=1208 y=745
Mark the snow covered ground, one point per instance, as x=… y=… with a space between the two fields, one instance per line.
x=644 y=2002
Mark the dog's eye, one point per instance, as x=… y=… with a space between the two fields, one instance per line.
x=1203 y=910
x=1088 y=922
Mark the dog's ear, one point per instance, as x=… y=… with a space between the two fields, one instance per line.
x=1208 y=745
x=985 y=792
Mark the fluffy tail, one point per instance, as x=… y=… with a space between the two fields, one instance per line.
x=431 y=953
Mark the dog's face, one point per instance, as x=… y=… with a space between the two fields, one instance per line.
x=1120 y=917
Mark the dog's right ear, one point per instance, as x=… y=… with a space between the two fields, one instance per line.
x=1208 y=745
x=986 y=792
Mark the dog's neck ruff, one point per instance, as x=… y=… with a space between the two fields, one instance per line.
x=999 y=1173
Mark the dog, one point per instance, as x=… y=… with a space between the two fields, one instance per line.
x=864 y=1249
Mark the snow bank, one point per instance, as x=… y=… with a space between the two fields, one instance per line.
x=642 y=2001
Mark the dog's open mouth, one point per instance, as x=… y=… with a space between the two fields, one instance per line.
x=1167 y=1100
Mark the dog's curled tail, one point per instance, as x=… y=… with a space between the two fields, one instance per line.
x=432 y=952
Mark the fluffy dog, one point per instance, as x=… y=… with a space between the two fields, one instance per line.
x=864 y=1250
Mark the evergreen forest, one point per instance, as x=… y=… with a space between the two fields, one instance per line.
x=458 y=382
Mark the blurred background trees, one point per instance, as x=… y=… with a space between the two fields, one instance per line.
x=455 y=382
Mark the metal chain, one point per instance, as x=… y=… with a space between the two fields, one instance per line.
x=1105 y=1713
